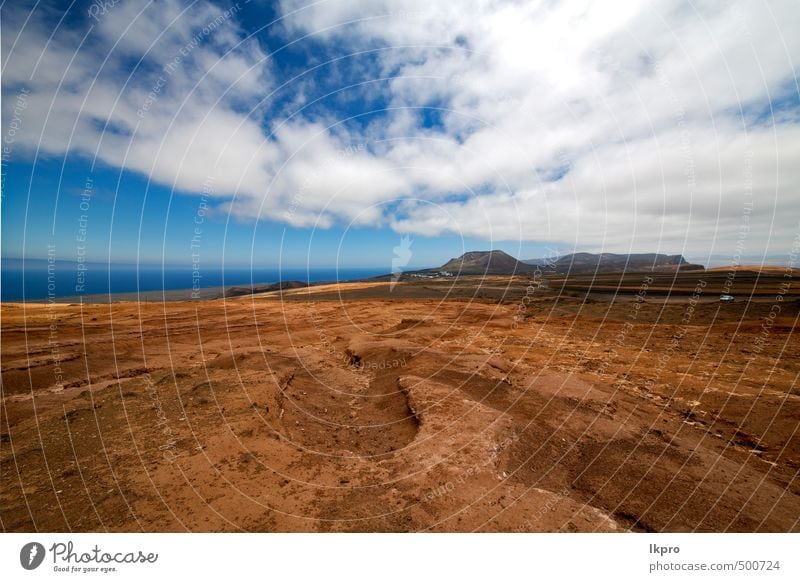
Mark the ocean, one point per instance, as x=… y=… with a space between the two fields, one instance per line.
x=34 y=282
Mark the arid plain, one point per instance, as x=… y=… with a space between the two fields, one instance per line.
x=641 y=403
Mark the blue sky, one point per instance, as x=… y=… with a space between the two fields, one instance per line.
x=320 y=133
x=151 y=224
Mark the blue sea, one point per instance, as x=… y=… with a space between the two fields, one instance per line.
x=31 y=280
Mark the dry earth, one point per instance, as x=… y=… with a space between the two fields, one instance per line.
x=349 y=408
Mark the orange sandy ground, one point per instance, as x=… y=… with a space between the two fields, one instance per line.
x=264 y=414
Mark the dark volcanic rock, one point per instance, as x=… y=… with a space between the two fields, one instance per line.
x=249 y=290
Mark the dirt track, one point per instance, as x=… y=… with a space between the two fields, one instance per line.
x=373 y=414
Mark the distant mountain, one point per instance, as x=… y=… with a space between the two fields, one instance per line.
x=486 y=262
x=501 y=263
x=613 y=263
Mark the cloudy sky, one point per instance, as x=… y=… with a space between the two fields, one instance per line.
x=316 y=132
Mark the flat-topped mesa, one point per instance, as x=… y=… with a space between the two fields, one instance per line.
x=615 y=263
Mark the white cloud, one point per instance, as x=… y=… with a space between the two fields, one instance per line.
x=158 y=89
x=638 y=102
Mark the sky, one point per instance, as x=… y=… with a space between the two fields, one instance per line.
x=319 y=133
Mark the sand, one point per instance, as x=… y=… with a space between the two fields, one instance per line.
x=360 y=408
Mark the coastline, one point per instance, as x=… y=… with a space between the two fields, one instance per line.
x=580 y=283
x=172 y=295
x=39 y=286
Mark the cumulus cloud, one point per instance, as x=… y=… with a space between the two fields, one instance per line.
x=159 y=88
x=643 y=126
x=625 y=127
